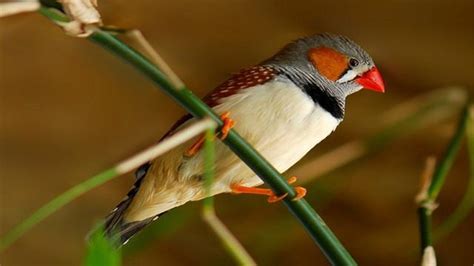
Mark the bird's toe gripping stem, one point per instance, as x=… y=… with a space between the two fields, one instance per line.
x=222 y=134
x=228 y=125
x=300 y=191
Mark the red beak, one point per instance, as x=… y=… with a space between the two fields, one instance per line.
x=372 y=80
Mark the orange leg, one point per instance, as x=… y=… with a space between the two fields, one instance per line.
x=195 y=148
x=300 y=191
x=228 y=124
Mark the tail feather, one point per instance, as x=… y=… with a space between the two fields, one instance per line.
x=123 y=231
x=115 y=227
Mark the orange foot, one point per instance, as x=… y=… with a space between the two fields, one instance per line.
x=300 y=191
x=228 y=124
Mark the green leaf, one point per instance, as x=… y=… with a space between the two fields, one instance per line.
x=101 y=251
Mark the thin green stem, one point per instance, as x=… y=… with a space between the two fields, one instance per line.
x=467 y=202
x=209 y=161
x=428 y=203
x=231 y=244
x=53 y=13
x=121 y=168
x=228 y=240
x=424 y=220
x=55 y=205
x=315 y=226
x=448 y=158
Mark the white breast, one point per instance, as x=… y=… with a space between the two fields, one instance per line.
x=280 y=121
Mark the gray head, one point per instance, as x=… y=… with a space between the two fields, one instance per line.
x=335 y=63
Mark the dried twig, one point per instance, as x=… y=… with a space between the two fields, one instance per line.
x=17 y=7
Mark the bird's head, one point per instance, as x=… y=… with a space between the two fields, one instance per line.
x=333 y=61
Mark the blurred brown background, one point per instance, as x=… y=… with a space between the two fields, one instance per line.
x=68 y=110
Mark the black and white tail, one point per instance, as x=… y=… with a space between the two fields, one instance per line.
x=115 y=227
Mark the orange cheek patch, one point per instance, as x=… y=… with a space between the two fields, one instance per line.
x=329 y=62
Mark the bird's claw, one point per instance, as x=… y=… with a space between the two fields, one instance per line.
x=223 y=132
x=191 y=151
x=300 y=192
x=228 y=125
x=272 y=198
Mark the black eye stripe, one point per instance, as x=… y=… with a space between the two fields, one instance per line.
x=352 y=63
x=344 y=72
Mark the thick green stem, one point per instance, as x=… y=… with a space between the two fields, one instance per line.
x=424 y=221
x=315 y=226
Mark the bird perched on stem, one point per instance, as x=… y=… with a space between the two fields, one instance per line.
x=283 y=106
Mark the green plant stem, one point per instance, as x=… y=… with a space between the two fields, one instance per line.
x=228 y=240
x=209 y=161
x=424 y=221
x=427 y=205
x=119 y=169
x=467 y=202
x=56 y=204
x=313 y=223
x=449 y=156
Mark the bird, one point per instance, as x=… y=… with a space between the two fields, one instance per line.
x=283 y=106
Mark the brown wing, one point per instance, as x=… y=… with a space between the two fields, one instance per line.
x=244 y=79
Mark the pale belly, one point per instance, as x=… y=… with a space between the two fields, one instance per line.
x=280 y=121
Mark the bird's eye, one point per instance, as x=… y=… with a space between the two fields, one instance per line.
x=353 y=62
